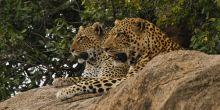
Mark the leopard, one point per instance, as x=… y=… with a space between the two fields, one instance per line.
x=87 y=45
x=100 y=74
x=135 y=41
x=132 y=41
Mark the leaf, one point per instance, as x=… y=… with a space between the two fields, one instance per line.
x=218 y=28
x=41 y=42
x=24 y=30
x=20 y=37
x=212 y=19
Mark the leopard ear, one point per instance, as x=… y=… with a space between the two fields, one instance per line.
x=116 y=21
x=141 y=25
x=98 y=28
x=81 y=28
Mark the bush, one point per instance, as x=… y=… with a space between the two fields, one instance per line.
x=35 y=36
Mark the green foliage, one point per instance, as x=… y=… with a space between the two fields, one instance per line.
x=35 y=36
x=199 y=18
x=109 y=10
x=207 y=37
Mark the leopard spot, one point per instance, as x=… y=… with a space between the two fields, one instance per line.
x=96 y=82
x=84 y=87
x=98 y=85
x=100 y=90
x=105 y=81
x=90 y=87
x=113 y=81
x=107 y=84
x=107 y=89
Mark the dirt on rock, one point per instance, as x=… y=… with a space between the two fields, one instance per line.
x=179 y=80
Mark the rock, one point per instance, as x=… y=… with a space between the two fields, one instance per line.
x=179 y=80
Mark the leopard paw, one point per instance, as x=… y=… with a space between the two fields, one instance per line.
x=60 y=82
x=64 y=94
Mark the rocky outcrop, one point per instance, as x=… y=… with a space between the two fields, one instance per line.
x=179 y=80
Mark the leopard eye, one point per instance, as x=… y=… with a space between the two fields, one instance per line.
x=81 y=39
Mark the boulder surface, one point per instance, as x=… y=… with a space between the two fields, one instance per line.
x=179 y=80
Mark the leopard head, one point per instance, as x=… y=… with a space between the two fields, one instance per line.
x=87 y=42
x=123 y=41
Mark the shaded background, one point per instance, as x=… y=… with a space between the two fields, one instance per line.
x=35 y=35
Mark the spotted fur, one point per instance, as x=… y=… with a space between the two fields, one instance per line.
x=132 y=41
x=100 y=73
x=136 y=41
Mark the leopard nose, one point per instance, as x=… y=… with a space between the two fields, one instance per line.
x=72 y=50
x=121 y=57
x=84 y=55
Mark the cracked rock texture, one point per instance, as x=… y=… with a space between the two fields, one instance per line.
x=179 y=80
